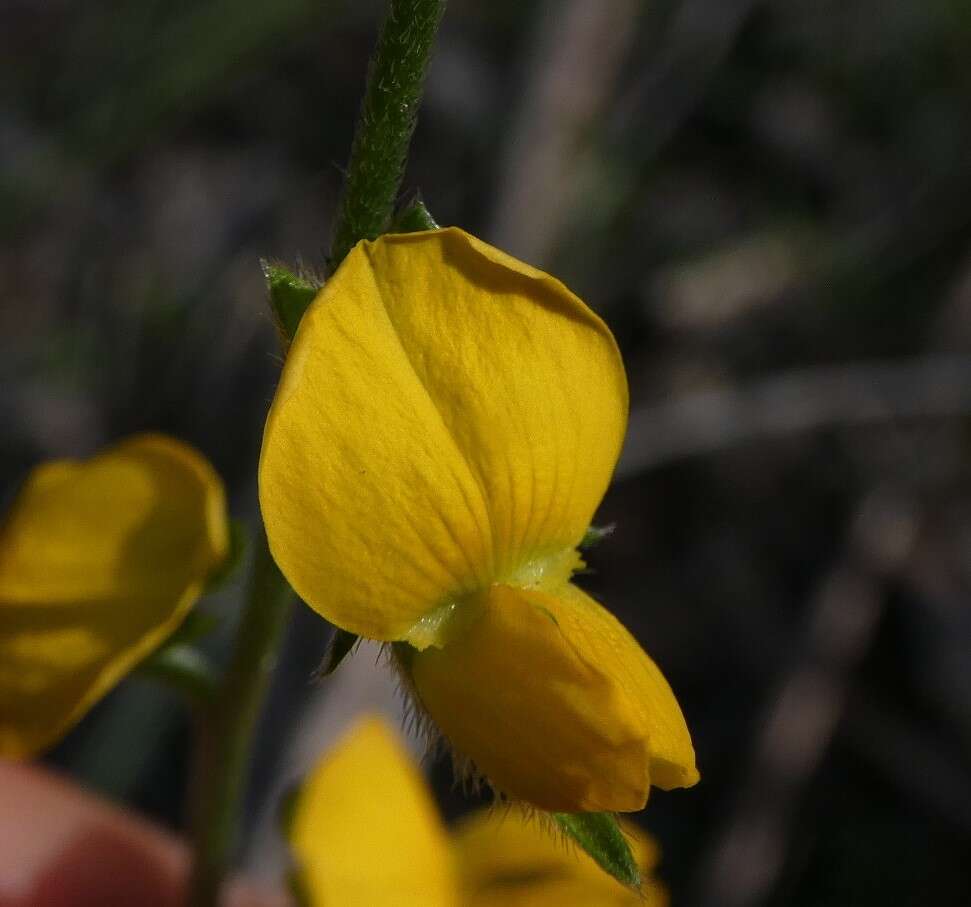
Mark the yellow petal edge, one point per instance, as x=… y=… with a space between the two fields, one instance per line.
x=100 y=560
x=364 y=830
x=447 y=418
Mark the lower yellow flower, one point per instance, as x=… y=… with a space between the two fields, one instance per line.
x=364 y=830
x=446 y=424
x=365 y=833
x=100 y=561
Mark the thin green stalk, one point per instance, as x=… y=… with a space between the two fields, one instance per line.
x=226 y=728
x=387 y=120
x=378 y=154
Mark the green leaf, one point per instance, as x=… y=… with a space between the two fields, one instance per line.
x=197 y=625
x=596 y=534
x=413 y=218
x=184 y=668
x=341 y=644
x=600 y=836
x=290 y=295
x=238 y=543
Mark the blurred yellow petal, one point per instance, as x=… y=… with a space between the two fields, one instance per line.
x=100 y=561
x=509 y=859
x=364 y=830
x=447 y=418
x=554 y=701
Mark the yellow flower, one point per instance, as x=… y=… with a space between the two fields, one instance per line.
x=99 y=562
x=365 y=833
x=446 y=424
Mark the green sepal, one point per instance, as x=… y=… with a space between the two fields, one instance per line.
x=413 y=218
x=290 y=295
x=599 y=834
x=595 y=535
x=238 y=543
x=341 y=644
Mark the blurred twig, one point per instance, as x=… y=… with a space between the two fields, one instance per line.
x=695 y=45
x=804 y=712
x=691 y=51
x=941 y=622
x=50 y=421
x=797 y=401
x=927 y=773
x=579 y=48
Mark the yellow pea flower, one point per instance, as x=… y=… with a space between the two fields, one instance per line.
x=100 y=560
x=364 y=832
x=447 y=422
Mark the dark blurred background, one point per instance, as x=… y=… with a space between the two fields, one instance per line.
x=769 y=202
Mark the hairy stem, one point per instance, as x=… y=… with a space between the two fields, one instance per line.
x=389 y=111
x=226 y=727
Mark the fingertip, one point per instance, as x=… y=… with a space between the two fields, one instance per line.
x=62 y=847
